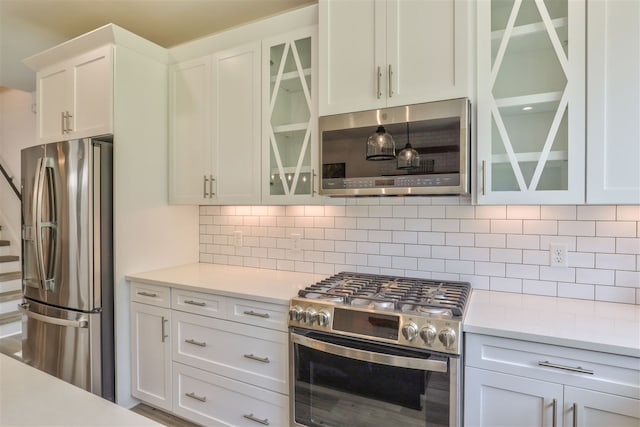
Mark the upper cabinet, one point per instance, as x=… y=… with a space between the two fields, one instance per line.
x=75 y=97
x=382 y=53
x=215 y=128
x=531 y=97
x=289 y=132
x=613 y=109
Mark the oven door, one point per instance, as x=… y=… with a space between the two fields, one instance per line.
x=339 y=381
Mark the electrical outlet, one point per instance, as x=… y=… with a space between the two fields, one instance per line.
x=558 y=255
x=295 y=242
x=237 y=238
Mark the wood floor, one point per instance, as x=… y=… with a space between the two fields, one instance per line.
x=161 y=416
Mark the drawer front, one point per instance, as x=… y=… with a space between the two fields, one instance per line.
x=199 y=303
x=581 y=368
x=264 y=314
x=151 y=294
x=213 y=400
x=243 y=352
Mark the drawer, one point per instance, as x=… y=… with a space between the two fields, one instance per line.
x=151 y=294
x=243 y=352
x=213 y=400
x=258 y=313
x=594 y=370
x=199 y=303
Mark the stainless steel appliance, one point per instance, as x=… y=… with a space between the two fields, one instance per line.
x=423 y=149
x=67 y=262
x=371 y=350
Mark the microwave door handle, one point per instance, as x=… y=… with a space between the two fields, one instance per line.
x=372 y=357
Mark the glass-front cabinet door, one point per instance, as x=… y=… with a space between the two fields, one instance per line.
x=531 y=101
x=290 y=149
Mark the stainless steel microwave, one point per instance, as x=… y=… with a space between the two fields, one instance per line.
x=417 y=149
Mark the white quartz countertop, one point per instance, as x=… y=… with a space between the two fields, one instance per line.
x=591 y=325
x=29 y=397
x=274 y=286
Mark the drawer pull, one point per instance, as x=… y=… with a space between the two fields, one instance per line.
x=264 y=422
x=196 y=397
x=194 y=342
x=579 y=369
x=253 y=313
x=147 y=294
x=259 y=359
x=192 y=302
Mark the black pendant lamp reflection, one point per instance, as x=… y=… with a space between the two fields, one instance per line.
x=380 y=145
x=408 y=157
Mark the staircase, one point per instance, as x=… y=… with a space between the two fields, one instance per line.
x=10 y=289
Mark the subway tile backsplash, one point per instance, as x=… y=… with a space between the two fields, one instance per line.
x=502 y=248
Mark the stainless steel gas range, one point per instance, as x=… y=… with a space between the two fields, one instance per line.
x=371 y=350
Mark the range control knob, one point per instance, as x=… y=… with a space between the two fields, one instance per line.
x=323 y=318
x=410 y=331
x=310 y=316
x=428 y=334
x=295 y=314
x=447 y=337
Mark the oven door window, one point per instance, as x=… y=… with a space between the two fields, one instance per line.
x=338 y=391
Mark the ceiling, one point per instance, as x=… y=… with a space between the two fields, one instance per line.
x=31 y=26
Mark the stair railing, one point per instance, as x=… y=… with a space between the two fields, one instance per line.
x=9 y=179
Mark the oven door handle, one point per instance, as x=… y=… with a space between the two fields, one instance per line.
x=369 y=356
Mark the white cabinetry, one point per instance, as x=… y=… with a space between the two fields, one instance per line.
x=289 y=113
x=531 y=97
x=75 y=97
x=613 y=95
x=377 y=53
x=150 y=345
x=215 y=128
x=512 y=382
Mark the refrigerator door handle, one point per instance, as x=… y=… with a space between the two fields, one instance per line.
x=44 y=163
x=80 y=323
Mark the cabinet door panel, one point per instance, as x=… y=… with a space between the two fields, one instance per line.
x=151 y=354
x=493 y=399
x=595 y=409
x=52 y=100
x=352 y=46
x=92 y=93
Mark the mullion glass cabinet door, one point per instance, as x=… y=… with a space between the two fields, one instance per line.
x=531 y=101
x=290 y=116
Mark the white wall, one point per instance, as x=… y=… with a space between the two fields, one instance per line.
x=502 y=248
x=17 y=131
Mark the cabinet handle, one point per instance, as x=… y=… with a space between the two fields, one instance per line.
x=204 y=187
x=575 y=415
x=211 y=193
x=484 y=176
x=62 y=117
x=164 y=335
x=259 y=359
x=194 y=342
x=69 y=116
x=378 y=91
x=579 y=369
x=257 y=420
x=196 y=397
x=198 y=303
x=253 y=313
x=313 y=182
x=554 y=415
x=147 y=294
x=389 y=77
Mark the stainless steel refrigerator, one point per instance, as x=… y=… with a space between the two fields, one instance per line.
x=67 y=262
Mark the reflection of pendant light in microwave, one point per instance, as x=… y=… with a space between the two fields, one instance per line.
x=380 y=145
x=408 y=157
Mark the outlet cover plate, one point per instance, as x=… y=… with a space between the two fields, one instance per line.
x=558 y=256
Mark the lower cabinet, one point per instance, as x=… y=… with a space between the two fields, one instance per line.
x=211 y=359
x=519 y=383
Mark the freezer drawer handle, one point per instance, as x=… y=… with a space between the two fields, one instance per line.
x=196 y=397
x=579 y=369
x=257 y=420
x=192 y=302
x=253 y=313
x=259 y=359
x=147 y=294
x=194 y=342
x=81 y=323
